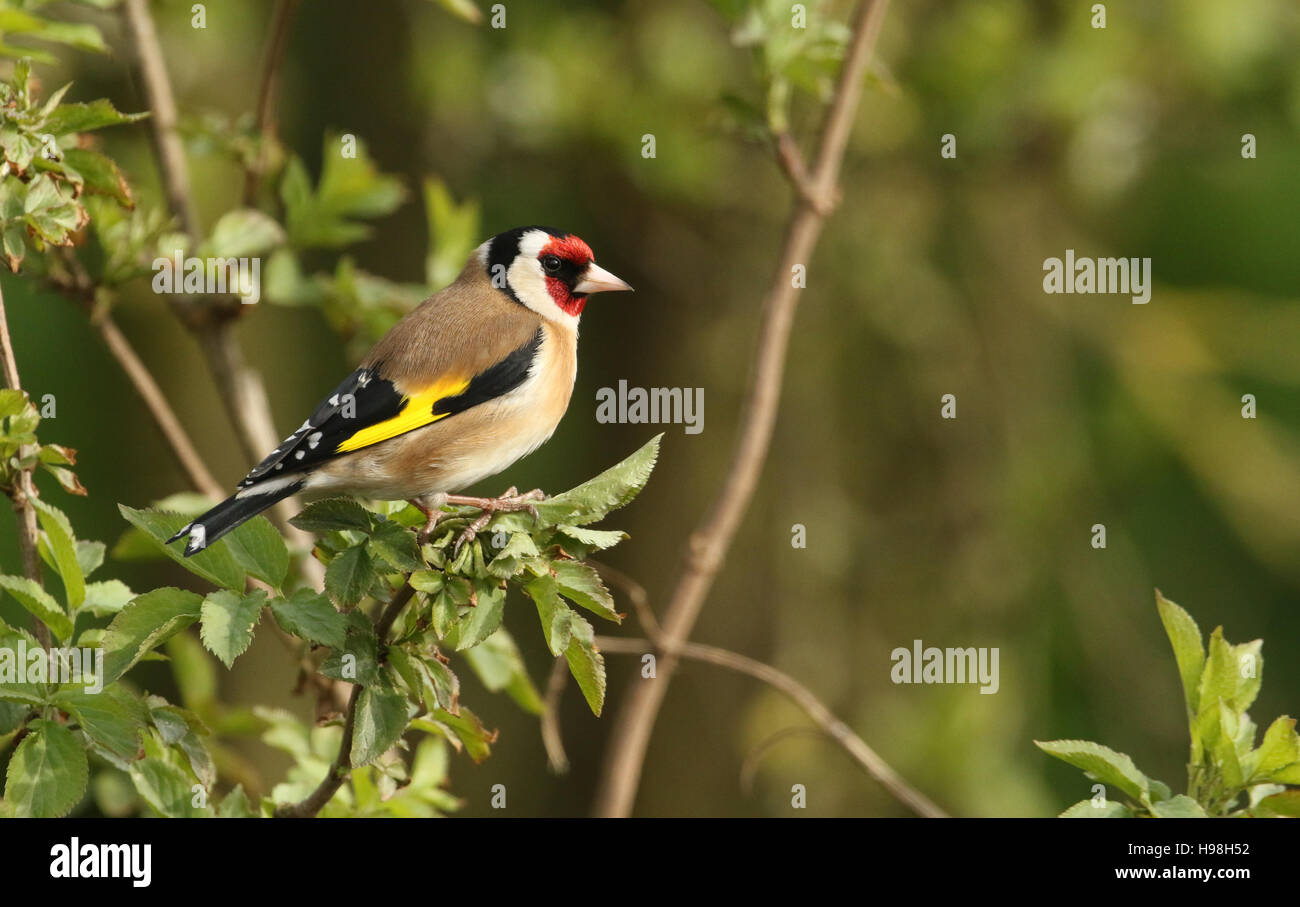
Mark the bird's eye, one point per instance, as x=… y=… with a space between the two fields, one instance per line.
x=551 y=264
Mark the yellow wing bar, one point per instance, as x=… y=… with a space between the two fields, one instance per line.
x=416 y=412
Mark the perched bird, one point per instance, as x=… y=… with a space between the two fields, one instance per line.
x=464 y=385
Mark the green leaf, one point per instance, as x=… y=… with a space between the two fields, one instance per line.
x=14 y=645
x=243 y=233
x=310 y=615
x=586 y=664
x=357 y=660
x=596 y=539
x=48 y=772
x=333 y=514
x=1280 y=747
x=1189 y=651
x=467 y=730
x=556 y=617
x=484 y=618
x=228 y=622
x=101 y=174
x=1102 y=763
x=70 y=118
x=582 y=585
x=349 y=576
x=613 y=488
x=90 y=555
x=145 y=624
x=500 y=666
x=1178 y=807
x=235 y=805
x=166 y=788
x=63 y=545
x=215 y=563
x=39 y=603
x=112 y=718
x=260 y=550
x=107 y=597
x=395 y=545
x=380 y=721
x=1084 y=809
x=1284 y=803
x=192 y=667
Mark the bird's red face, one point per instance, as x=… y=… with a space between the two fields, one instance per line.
x=549 y=271
x=563 y=261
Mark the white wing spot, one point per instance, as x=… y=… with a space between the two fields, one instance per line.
x=300 y=454
x=314 y=440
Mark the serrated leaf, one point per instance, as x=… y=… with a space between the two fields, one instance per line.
x=39 y=603
x=79 y=117
x=166 y=788
x=112 y=718
x=613 y=488
x=380 y=721
x=215 y=563
x=63 y=547
x=1185 y=637
x=1279 y=748
x=357 y=660
x=469 y=730
x=228 y=620
x=586 y=664
x=101 y=174
x=47 y=773
x=334 y=514
x=396 y=546
x=143 y=625
x=349 y=576
x=259 y=549
x=596 y=539
x=582 y=585
x=310 y=615
x=1102 y=763
x=484 y=618
x=556 y=617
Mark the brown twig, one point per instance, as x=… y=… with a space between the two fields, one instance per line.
x=24 y=490
x=840 y=732
x=78 y=287
x=708 y=545
x=552 y=740
x=266 y=95
x=241 y=389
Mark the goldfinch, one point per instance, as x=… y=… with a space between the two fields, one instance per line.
x=464 y=385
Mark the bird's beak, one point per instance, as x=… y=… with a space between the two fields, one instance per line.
x=597 y=280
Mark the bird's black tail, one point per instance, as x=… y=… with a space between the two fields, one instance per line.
x=230 y=514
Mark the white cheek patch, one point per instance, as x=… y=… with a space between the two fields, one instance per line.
x=529 y=282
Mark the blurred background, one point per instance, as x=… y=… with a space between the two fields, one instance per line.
x=1072 y=410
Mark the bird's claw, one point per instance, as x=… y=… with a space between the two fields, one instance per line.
x=509 y=502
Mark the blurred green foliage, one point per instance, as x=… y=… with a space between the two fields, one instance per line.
x=975 y=531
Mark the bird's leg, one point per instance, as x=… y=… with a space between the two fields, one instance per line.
x=431 y=507
x=509 y=502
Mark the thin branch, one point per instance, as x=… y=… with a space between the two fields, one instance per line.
x=552 y=740
x=836 y=729
x=272 y=58
x=241 y=388
x=708 y=545
x=754 y=758
x=342 y=765
x=162 y=104
x=24 y=490
x=81 y=289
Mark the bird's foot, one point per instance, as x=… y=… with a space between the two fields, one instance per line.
x=432 y=510
x=509 y=502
